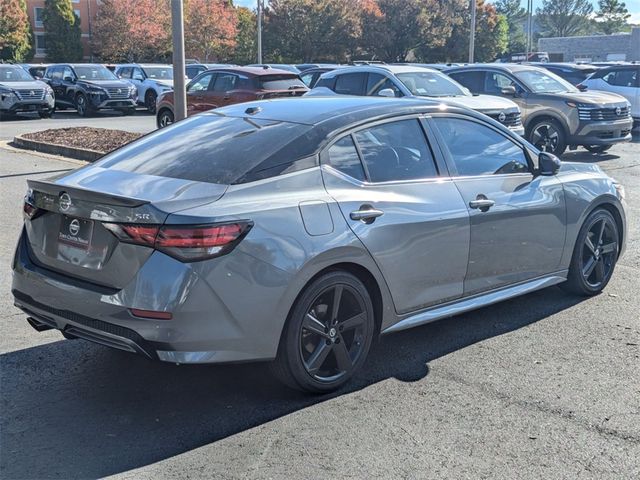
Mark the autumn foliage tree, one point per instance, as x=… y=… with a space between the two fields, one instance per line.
x=132 y=30
x=210 y=29
x=15 y=37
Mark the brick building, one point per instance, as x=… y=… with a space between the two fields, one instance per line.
x=596 y=48
x=85 y=9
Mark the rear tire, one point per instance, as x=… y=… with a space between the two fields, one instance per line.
x=328 y=334
x=594 y=255
x=165 y=118
x=548 y=135
x=598 y=148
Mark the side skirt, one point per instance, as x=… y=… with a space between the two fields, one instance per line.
x=476 y=301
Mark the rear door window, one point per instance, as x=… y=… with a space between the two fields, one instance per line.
x=201 y=83
x=377 y=82
x=474 y=80
x=350 y=84
x=626 y=77
x=225 y=82
x=344 y=157
x=216 y=149
x=396 y=151
x=125 y=72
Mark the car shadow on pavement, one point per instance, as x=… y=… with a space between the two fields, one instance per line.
x=72 y=409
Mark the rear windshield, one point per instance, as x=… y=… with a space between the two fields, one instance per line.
x=211 y=148
x=281 y=82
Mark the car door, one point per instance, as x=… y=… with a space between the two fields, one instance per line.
x=68 y=86
x=624 y=81
x=137 y=78
x=517 y=218
x=408 y=214
x=495 y=82
x=197 y=92
x=54 y=79
x=222 y=92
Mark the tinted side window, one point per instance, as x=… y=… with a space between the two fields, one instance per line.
x=621 y=78
x=350 y=84
x=125 y=72
x=225 y=82
x=377 y=82
x=343 y=156
x=479 y=150
x=396 y=151
x=326 y=82
x=495 y=82
x=474 y=81
x=67 y=72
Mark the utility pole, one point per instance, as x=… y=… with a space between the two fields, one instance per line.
x=472 y=32
x=529 y=28
x=177 y=33
x=260 y=31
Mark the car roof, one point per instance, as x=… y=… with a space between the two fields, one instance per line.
x=394 y=69
x=256 y=71
x=339 y=108
x=628 y=66
x=575 y=66
x=507 y=67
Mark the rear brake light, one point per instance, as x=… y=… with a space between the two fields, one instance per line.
x=152 y=314
x=29 y=210
x=185 y=242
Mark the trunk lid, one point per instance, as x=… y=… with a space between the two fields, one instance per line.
x=67 y=232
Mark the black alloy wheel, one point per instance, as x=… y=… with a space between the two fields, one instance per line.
x=548 y=136
x=82 y=105
x=328 y=334
x=595 y=254
x=165 y=118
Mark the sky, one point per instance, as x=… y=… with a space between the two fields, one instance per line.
x=632 y=5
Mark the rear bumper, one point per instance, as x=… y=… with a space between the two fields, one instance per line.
x=207 y=326
x=602 y=133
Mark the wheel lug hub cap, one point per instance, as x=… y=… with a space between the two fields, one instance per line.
x=332 y=333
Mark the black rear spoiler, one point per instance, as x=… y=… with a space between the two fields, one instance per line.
x=56 y=190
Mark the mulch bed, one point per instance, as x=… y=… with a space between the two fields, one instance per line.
x=99 y=139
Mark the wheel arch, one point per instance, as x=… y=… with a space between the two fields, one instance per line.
x=612 y=205
x=545 y=115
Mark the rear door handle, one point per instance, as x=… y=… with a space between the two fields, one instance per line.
x=366 y=214
x=482 y=204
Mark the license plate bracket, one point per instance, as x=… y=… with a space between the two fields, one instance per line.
x=75 y=232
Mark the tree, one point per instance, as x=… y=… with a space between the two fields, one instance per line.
x=15 y=32
x=210 y=29
x=246 y=45
x=564 y=18
x=491 y=40
x=132 y=30
x=311 y=30
x=612 y=16
x=515 y=17
x=62 y=31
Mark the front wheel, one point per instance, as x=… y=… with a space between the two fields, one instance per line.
x=150 y=101
x=328 y=334
x=82 y=105
x=165 y=118
x=548 y=135
x=594 y=255
x=598 y=148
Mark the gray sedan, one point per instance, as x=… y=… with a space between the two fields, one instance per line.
x=298 y=230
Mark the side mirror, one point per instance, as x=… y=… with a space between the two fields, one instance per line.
x=509 y=91
x=68 y=79
x=548 y=163
x=387 y=92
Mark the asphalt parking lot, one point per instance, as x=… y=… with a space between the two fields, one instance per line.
x=543 y=386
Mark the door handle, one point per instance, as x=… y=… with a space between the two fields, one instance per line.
x=482 y=203
x=366 y=214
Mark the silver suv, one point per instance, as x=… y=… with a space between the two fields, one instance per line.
x=556 y=114
x=20 y=92
x=417 y=82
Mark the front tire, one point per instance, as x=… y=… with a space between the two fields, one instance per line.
x=150 y=99
x=548 y=135
x=594 y=255
x=82 y=105
x=328 y=334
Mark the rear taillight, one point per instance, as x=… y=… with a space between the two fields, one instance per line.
x=29 y=210
x=187 y=243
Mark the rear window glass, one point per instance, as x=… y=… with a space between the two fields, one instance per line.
x=281 y=82
x=211 y=148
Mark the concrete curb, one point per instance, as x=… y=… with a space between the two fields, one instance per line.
x=53 y=149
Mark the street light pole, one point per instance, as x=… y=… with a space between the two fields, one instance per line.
x=529 y=28
x=259 y=31
x=472 y=32
x=177 y=33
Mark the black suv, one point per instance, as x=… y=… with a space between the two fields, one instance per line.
x=90 y=87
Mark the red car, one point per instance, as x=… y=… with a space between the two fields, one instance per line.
x=226 y=86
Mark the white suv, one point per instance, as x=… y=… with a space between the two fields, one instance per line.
x=621 y=79
x=152 y=80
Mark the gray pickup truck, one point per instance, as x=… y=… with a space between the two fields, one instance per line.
x=556 y=114
x=20 y=92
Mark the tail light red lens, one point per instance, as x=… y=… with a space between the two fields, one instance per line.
x=29 y=210
x=151 y=314
x=185 y=242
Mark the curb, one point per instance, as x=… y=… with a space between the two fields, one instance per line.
x=53 y=149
